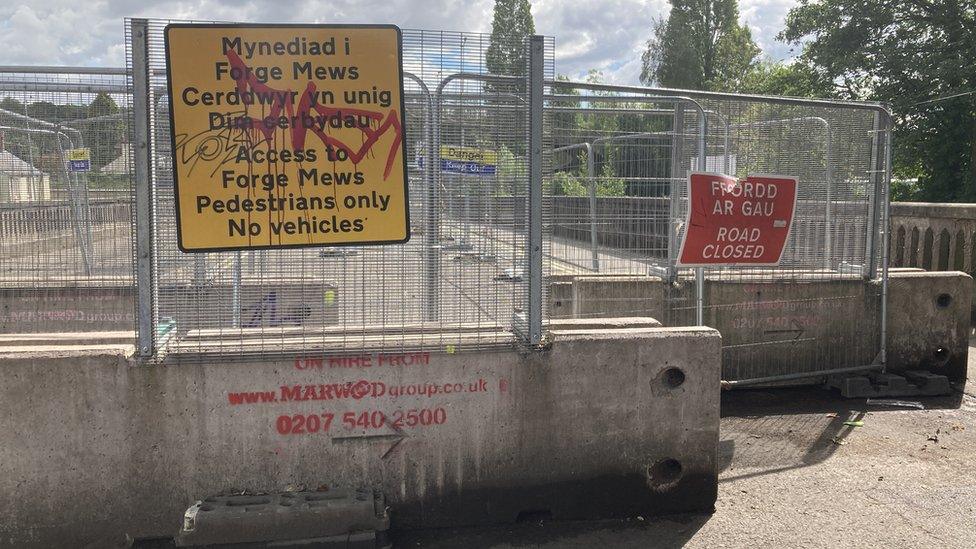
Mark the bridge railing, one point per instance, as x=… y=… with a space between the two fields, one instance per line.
x=933 y=236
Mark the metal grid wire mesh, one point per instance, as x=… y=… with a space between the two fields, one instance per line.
x=616 y=160
x=612 y=176
x=618 y=194
x=454 y=286
x=65 y=239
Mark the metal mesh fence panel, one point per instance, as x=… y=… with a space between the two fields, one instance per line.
x=65 y=239
x=615 y=161
x=621 y=161
x=455 y=285
x=830 y=267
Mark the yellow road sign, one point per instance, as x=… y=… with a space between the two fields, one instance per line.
x=287 y=135
x=468 y=160
x=79 y=160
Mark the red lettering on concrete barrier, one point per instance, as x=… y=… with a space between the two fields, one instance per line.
x=252 y=397
x=308 y=363
x=404 y=359
x=355 y=390
x=362 y=361
x=309 y=424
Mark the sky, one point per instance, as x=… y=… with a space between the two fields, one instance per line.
x=607 y=35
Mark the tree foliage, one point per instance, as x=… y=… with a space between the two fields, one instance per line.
x=103 y=136
x=701 y=45
x=796 y=79
x=615 y=163
x=506 y=56
x=914 y=54
x=511 y=25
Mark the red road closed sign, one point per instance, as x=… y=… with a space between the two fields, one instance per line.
x=737 y=222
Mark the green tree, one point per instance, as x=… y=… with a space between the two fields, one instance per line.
x=796 y=79
x=511 y=25
x=12 y=105
x=918 y=56
x=14 y=141
x=103 y=135
x=505 y=56
x=564 y=125
x=102 y=105
x=701 y=45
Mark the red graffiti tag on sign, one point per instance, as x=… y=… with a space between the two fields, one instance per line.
x=737 y=222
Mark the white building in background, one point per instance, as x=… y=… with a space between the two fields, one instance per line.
x=20 y=181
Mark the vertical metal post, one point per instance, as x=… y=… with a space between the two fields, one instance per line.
x=236 y=291
x=726 y=161
x=74 y=197
x=466 y=239
x=870 y=268
x=677 y=153
x=432 y=258
x=139 y=34
x=886 y=227
x=591 y=177
x=700 y=271
x=534 y=248
x=199 y=270
x=829 y=207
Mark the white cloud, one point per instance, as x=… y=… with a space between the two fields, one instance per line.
x=603 y=35
x=766 y=19
x=607 y=35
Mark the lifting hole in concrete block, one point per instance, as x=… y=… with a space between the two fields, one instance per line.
x=941 y=354
x=943 y=301
x=674 y=377
x=664 y=474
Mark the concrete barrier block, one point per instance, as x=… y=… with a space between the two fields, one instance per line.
x=929 y=322
x=560 y=299
x=805 y=323
x=603 y=423
x=617 y=323
x=771 y=328
x=66 y=307
x=611 y=296
x=286 y=303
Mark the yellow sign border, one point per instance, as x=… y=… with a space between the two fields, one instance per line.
x=172 y=134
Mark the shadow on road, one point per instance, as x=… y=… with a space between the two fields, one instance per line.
x=812 y=400
x=773 y=430
x=669 y=531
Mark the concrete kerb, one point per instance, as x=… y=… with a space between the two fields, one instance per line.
x=604 y=422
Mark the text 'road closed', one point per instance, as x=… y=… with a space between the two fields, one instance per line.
x=737 y=222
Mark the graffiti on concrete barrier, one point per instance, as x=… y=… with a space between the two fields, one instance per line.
x=266 y=313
